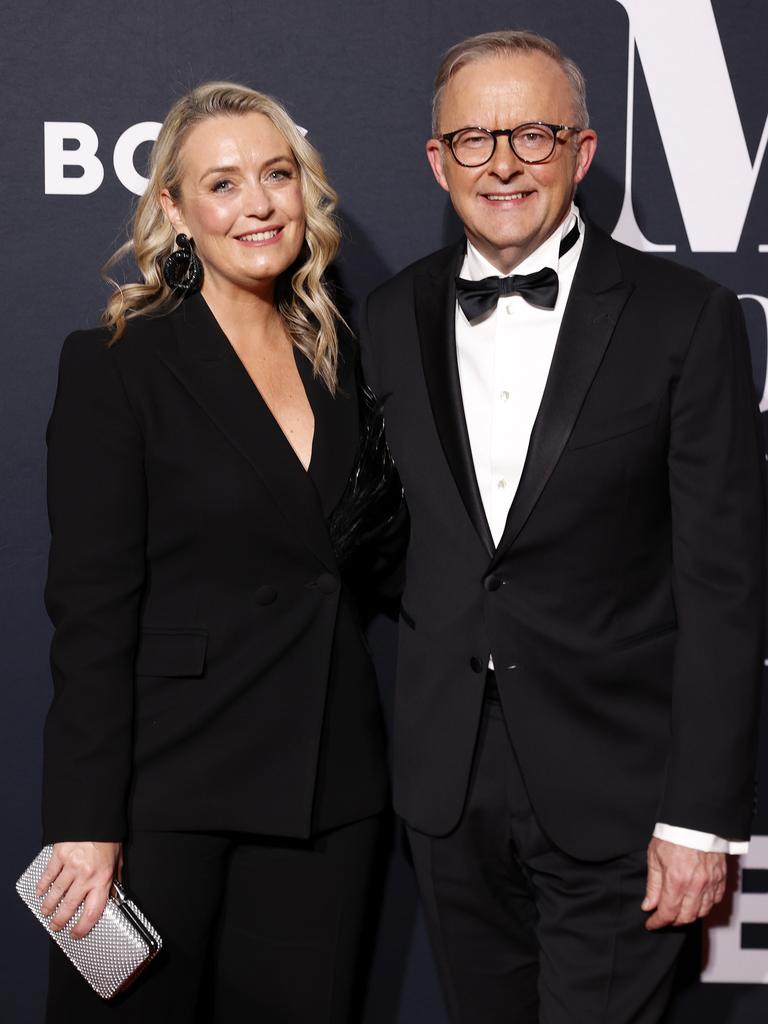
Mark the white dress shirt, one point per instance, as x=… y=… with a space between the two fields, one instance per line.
x=504 y=360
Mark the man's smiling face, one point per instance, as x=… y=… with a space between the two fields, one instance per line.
x=509 y=208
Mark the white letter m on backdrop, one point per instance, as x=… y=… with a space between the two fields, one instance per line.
x=692 y=96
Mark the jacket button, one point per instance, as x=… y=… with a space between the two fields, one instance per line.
x=327 y=584
x=492 y=582
x=265 y=595
x=476 y=664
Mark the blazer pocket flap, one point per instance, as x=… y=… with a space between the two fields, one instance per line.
x=179 y=652
x=648 y=634
x=625 y=422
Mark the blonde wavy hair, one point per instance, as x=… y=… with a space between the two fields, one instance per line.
x=302 y=295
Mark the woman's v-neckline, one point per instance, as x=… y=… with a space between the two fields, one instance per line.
x=298 y=357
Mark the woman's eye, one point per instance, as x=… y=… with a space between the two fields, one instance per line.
x=280 y=174
x=224 y=185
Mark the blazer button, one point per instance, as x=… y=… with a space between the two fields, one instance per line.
x=327 y=584
x=476 y=664
x=492 y=582
x=265 y=595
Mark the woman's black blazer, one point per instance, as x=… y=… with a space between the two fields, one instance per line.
x=209 y=668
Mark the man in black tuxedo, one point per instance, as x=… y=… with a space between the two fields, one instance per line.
x=580 y=641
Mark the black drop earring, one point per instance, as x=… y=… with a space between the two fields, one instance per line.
x=182 y=270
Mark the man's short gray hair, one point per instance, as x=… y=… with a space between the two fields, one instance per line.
x=506 y=44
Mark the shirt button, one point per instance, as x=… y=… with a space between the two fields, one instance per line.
x=504 y=396
x=475 y=664
x=502 y=484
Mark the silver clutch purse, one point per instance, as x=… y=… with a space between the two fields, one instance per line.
x=118 y=947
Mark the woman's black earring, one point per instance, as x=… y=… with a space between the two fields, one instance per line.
x=182 y=270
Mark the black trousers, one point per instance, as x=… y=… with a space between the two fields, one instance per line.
x=253 y=928
x=521 y=931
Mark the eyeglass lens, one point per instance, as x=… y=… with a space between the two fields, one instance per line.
x=531 y=142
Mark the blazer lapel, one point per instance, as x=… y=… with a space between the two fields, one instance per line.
x=208 y=367
x=598 y=295
x=435 y=303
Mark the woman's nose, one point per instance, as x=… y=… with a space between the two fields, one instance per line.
x=257 y=201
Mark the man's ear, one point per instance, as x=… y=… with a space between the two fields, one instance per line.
x=585 y=154
x=435 y=157
x=172 y=211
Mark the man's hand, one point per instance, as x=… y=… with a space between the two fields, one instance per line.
x=683 y=884
x=79 y=873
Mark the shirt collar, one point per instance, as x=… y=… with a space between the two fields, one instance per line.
x=476 y=266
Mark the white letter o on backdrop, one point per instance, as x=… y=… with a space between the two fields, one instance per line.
x=125 y=150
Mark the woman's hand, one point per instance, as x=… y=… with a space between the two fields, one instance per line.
x=79 y=872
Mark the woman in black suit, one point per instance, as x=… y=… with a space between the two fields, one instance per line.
x=215 y=732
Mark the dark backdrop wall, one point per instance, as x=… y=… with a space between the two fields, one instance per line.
x=679 y=96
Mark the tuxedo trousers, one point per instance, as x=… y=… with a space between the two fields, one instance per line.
x=253 y=928
x=522 y=932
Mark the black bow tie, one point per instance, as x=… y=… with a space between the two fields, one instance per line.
x=476 y=298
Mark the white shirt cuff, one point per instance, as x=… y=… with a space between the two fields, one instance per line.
x=694 y=840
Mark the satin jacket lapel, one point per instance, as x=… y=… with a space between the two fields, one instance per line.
x=435 y=302
x=208 y=367
x=598 y=295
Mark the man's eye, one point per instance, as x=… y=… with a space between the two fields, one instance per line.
x=532 y=137
x=478 y=139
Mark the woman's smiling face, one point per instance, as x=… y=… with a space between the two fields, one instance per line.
x=240 y=201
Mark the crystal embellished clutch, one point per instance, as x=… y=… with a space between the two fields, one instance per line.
x=118 y=947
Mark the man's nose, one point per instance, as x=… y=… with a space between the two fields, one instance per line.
x=504 y=163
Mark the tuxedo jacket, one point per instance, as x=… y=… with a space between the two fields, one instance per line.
x=623 y=605
x=209 y=668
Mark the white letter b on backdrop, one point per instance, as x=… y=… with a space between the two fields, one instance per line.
x=55 y=134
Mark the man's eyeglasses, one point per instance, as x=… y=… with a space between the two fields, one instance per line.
x=532 y=143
